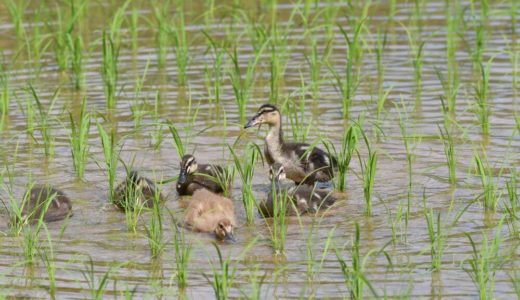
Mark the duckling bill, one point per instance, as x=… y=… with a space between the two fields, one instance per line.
x=209 y=212
x=302 y=164
x=136 y=191
x=36 y=203
x=194 y=176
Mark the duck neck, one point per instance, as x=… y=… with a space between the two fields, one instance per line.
x=274 y=138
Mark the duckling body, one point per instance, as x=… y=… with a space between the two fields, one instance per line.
x=194 y=176
x=303 y=198
x=301 y=163
x=59 y=208
x=136 y=191
x=209 y=212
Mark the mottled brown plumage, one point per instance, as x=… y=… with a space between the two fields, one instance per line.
x=136 y=191
x=194 y=176
x=303 y=198
x=37 y=203
x=302 y=163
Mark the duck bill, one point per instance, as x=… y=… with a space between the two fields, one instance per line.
x=230 y=238
x=183 y=177
x=253 y=122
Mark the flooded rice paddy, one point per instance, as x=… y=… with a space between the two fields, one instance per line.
x=427 y=82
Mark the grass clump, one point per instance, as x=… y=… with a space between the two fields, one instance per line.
x=79 y=134
x=354 y=274
x=245 y=167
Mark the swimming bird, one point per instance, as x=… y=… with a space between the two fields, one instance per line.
x=302 y=163
x=46 y=200
x=209 y=212
x=193 y=176
x=303 y=198
x=136 y=192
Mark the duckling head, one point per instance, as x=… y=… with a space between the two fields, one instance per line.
x=188 y=166
x=277 y=172
x=224 y=231
x=267 y=114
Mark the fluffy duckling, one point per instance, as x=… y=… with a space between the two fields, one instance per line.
x=136 y=191
x=209 y=212
x=59 y=208
x=193 y=176
x=301 y=163
x=306 y=199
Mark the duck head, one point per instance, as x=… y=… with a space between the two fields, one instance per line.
x=224 y=231
x=267 y=114
x=188 y=166
x=277 y=172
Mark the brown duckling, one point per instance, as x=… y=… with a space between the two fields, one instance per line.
x=304 y=198
x=36 y=203
x=136 y=191
x=209 y=212
x=193 y=176
x=301 y=163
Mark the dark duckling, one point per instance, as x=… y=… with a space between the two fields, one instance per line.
x=302 y=164
x=303 y=198
x=194 y=176
x=36 y=203
x=209 y=212
x=135 y=192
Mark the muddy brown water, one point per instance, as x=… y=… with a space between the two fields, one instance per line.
x=98 y=231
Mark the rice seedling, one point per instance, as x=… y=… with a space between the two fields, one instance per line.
x=417 y=60
x=485 y=263
x=245 y=167
x=480 y=25
x=223 y=278
x=483 y=110
x=224 y=274
x=5 y=96
x=154 y=232
x=177 y=140
x=17 y=10
x=256 y=282
x=182 y=54
x=437 y=238
x=214 y=78
x=96 y=285
x=79 y=133
x=449 y=152
x=354 y=274
x=300 y=128
x=109 y=69
x=313 y=268
x=278 y=229
x=511 y=208
x=162 y=30
x=490 y=190
x=368 y=172
x=75 y=46
x=453 y=16
x=348 y=85
x=243 y=83
x=349 y=144
x=315 y=63
x=380 y=51
x=48 y=257
x=111 y=156
x=395 y=219
x=44 y=120
x=183 y=251
x=411 y=142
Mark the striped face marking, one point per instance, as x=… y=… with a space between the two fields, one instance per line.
x=189 y=164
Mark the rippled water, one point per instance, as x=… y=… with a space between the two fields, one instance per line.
x=99 y=230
